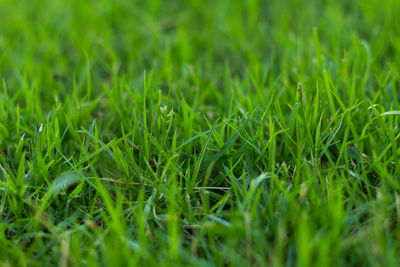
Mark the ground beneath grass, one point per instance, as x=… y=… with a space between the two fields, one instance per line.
x=199 y=133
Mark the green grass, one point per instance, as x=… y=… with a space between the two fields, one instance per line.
x=199 y=133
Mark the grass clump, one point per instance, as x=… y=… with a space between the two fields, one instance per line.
x=199 y=133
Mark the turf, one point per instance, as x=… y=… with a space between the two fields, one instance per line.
x=199 y=133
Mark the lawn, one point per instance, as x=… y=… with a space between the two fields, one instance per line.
x=199 y=133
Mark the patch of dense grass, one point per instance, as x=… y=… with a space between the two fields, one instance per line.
x=199 y=133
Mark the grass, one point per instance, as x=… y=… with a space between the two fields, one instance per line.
x=199 y=133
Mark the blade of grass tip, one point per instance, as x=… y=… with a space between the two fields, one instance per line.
x=20 y=146
x=393 y=112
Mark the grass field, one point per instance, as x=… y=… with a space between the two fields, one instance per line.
x=199 y=133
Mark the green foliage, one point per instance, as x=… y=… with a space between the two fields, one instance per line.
x=199 y=133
